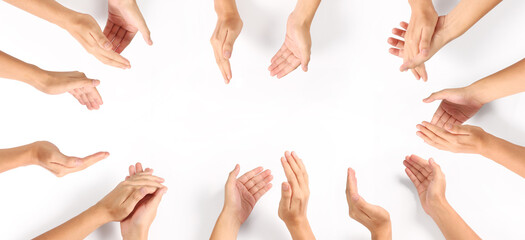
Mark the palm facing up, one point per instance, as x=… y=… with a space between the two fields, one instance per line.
x=456 y=107
x=294 y=52
x=243 y=193
x=428 y=180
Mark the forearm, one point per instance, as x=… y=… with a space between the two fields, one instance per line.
x=382 y=234
x=300 y=231
x=49 y=10
x=305 y=10
x=452 y=226
x=505 y=153
x=16 y=157
x=466 y=14
x=506 y=82
x=225 y=7
x=226 y=227
x=78 y=227
x=12 y=68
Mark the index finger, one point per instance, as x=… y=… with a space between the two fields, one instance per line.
x=292 y=179
x=351 y=182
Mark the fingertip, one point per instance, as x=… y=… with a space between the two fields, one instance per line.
x=285 y=186
x=227 y=54
x=96 y=83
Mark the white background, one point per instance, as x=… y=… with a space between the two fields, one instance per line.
x=173 y=113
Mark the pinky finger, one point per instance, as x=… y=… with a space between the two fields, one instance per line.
x=416 y=74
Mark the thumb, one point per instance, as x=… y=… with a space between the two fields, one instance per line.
x=155 y=200
x=102 y=40
x=305 y=57
x=82 y=82
x=436 y=96
x=426 y=38
x=227 y=47
x=435 y=168
x=72 y=162
x=457 y=128
x=144 y=30
x=286 y=194
x=233 y=174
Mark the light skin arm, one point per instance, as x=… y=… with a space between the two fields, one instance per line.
x=46 y=155
x=429 y=181
x=472 y=139
x=116 y=206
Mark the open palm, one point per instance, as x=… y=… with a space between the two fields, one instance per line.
x=295 y=50
x=243 y=193
x=456 y=107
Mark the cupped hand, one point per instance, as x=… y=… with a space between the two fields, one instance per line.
x=457 y=106
x=86 y=30
x=295 y=50
x=295 y=192
x=124 y=21
x=373 y=217
x=453 y=138
x=228 y=28
x=49 y=157
x=137 y=224
x=428 y=179
x=121 y=202
x=241 y=194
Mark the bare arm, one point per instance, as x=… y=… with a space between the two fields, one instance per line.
x=505 y=153
x=15 y=157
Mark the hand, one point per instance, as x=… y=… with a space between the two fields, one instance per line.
x=121 y=202
x=295 y=192
x=428 y=180
x=439 y=39
x=76 y=83
x=373 y=217
x=124 y=21
x=457 y=107
x=137 y=224
x=85 y=29
x=49 y=157
x=242 y=194
x=456 y=138
x=295 y=50
x=228 y=28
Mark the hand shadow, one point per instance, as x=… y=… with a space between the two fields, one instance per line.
x=421 y=217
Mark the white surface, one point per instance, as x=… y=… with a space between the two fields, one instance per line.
x=173 y=112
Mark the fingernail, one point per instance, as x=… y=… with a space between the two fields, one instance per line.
x=425 y=51
x=285 y=187
x=227 y=54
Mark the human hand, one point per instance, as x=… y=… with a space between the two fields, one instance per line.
x=457 y=106
x=86 y=30
x=241 y=194
x=429 y=181
x=295 y=192
x=295 y=50
x=121 y=202
x=137 y=224
x=373 y=217
x=124 y=21
x=439 y=39
x=229 y=26
x=456 y=138
x=49 y=157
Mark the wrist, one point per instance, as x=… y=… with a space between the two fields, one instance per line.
x=99 y=214
x=304 y=12
x=438 y=207
x=382 y=233
x=229 y=218
x=421 y=5
x=226 y=9
x=137 y=233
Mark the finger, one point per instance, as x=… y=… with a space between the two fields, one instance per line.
x=132 y=170
x=280 y=59
x=143 y=182
x=399 y=32
x=257 y=179
x=157 y=197
x=286 y=195
x=351 y=182
x=396 y=42
x=415 y=171
x=118 y=38
x=404 y=25
x=417 y=160
x=92 y=101
x=227 y=47
x=415 y=73
x=139 y=168
x=108 y=29
x=219 y=60
x=428 y=141
x=438 y=114
x=421 y=69
x=232 y=177
x=92 y=159
x=227 y=71
x=419 y=166
x=279 y=53
x=249 y=175
x=85 y=100
x=301 y=166
x=262 y=191
x=260 y=184
x=426 y=38
x=137 y=195
x=293 y=64
x=436 y=96
x=295 y=168
x=439 y=131
x=125 y=41
x=113 y=59
x=101 y=40
x=143 y=27
x=413 y=178
x=292 y=180
x=305 y=57
x=443 y=119
x=433 y=136
x=396 y=52
x=451 y=120
x=144 y=176
x=94 y=94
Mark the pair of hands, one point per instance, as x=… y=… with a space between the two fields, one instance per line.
x=124 y=21
x=423 y=37
x=295 y=50
x=134 y=202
